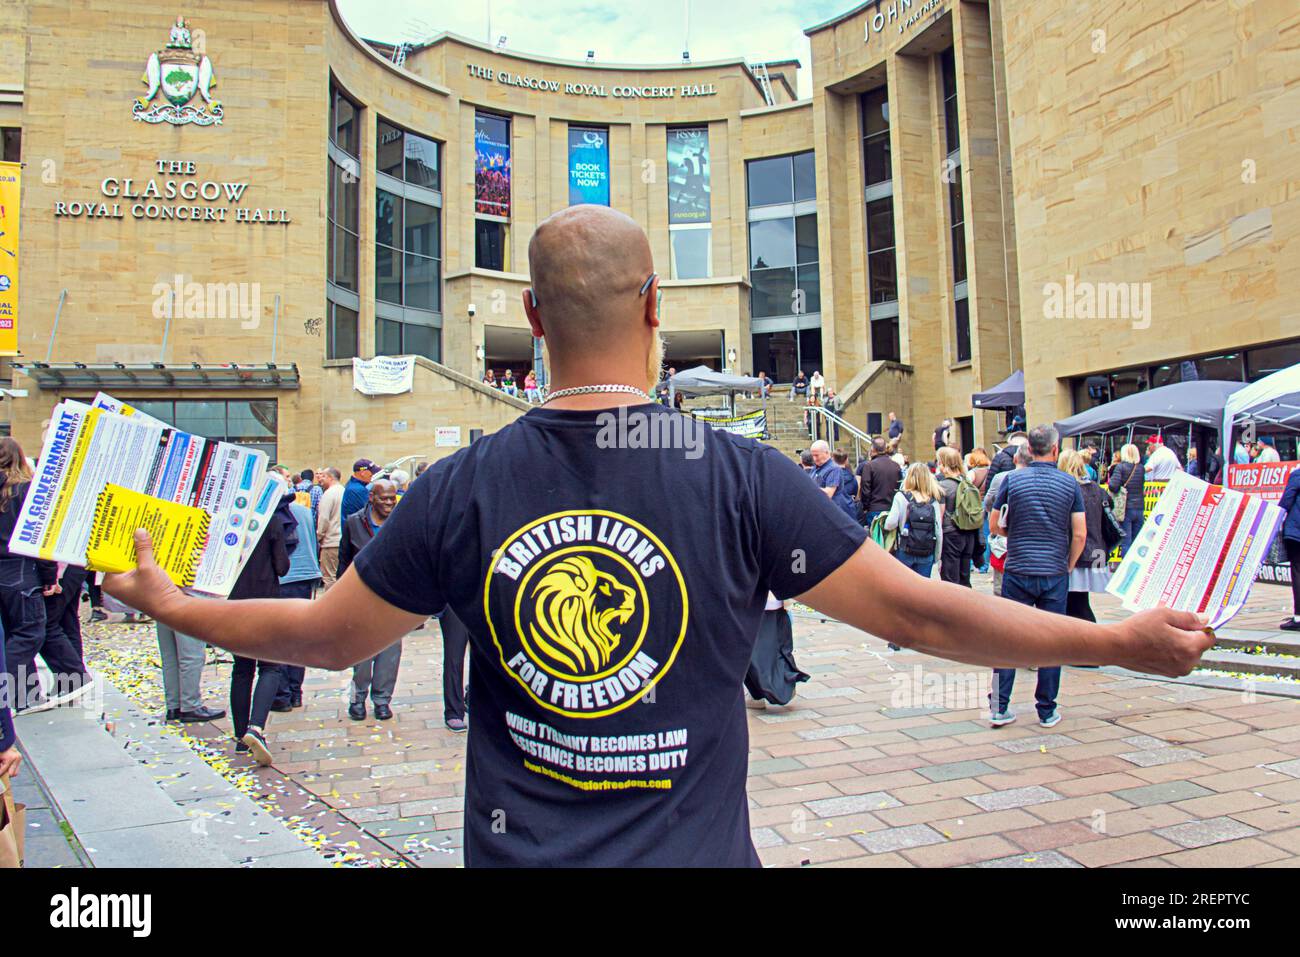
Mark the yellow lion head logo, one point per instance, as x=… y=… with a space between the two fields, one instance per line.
x=577 y=607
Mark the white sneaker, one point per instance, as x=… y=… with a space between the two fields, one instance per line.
x=999 y=720
x=1052 y=720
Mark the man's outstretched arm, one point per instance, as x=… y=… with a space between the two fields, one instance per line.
x=878 y=594
x=349 y=623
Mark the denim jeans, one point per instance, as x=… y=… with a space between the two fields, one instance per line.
x=921 y=564
x=1131 y=525
x=1048 y=593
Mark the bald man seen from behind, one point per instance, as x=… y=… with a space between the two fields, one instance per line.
x=613 y=598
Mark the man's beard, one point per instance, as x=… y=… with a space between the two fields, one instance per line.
x=655 y=361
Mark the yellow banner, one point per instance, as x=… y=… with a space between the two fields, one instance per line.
x=179 y=533
x=10 y=176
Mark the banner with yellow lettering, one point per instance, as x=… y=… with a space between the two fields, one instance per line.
x=10 y=175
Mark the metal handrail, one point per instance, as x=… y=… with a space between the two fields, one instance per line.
x=819 y=415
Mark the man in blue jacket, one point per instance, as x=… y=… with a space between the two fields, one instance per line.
x=355 y=493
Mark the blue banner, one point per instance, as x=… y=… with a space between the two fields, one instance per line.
x=588 y=166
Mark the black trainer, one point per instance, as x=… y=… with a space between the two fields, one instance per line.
x=383 y=712
x=257 y=747
x=357 y=711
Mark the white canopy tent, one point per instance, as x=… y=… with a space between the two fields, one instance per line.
x=1273 y=400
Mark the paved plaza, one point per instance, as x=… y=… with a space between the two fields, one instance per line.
x=885 y=759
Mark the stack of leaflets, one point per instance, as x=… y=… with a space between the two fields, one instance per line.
x=107 y=469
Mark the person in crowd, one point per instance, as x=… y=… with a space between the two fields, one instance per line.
x=1162 y=463
x=63 y=611
x=963 y=516
x=183 y=658
x=1290 y=505
x=1016 y=419
x=25 y=584
x=299 y=581
x=895 y=428
x=1128 y=481
x=508 y=385
x=313 y=490
x=816 y=387
x=531 y=392
x=846 y=497
x=355 y=492
x=421 y=469
x=490 y=379
x=772 y=675
x=1004 y=460
x=1090 y=454
x=11 y=759
x=834 y=404
x=878 y=479
x=1194 y=463
x=942 y=434
x=402 y=479
x=1091 y=573
x=806 y=461
x=255 y=682
x=997 y=543
x=95 y=591
x=471 y=535
x=455 y=642
x=376 y=677
x=829 y=476
x=764 y=385
x=1046 y=530
x=1267 y=450
x=799 y=390
x=329 y=525
x=977 y=468
x=916 y=512
x=1213 y=467
x=896 y=453
x=1240 y=453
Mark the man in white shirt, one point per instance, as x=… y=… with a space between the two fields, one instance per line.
x=329 y=524
x=1267 y=451
x=1162 y=463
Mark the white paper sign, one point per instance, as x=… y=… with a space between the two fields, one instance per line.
x=447 y=436
x=1199 y=550
x=383 y=375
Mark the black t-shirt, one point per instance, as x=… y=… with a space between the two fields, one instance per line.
x=613 y=593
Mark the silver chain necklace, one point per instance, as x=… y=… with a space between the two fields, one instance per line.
x=590 y=389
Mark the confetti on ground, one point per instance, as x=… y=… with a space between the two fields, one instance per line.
x=129 y=660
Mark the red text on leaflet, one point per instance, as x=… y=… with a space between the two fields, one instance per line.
x=1182 y=566
x=1223 y=555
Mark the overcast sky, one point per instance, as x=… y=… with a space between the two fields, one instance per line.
x=621 y=31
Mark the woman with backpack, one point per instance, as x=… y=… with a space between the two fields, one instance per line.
x=977 y=470
x=1127 y=483
x=1091 y=573
x=963 y=515
x=917 y=514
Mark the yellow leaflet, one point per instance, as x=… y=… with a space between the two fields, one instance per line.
x=179 y=533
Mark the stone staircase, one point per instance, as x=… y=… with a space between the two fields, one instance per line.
x=1275 y=656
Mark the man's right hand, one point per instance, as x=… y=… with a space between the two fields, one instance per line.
x=1162 y=641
